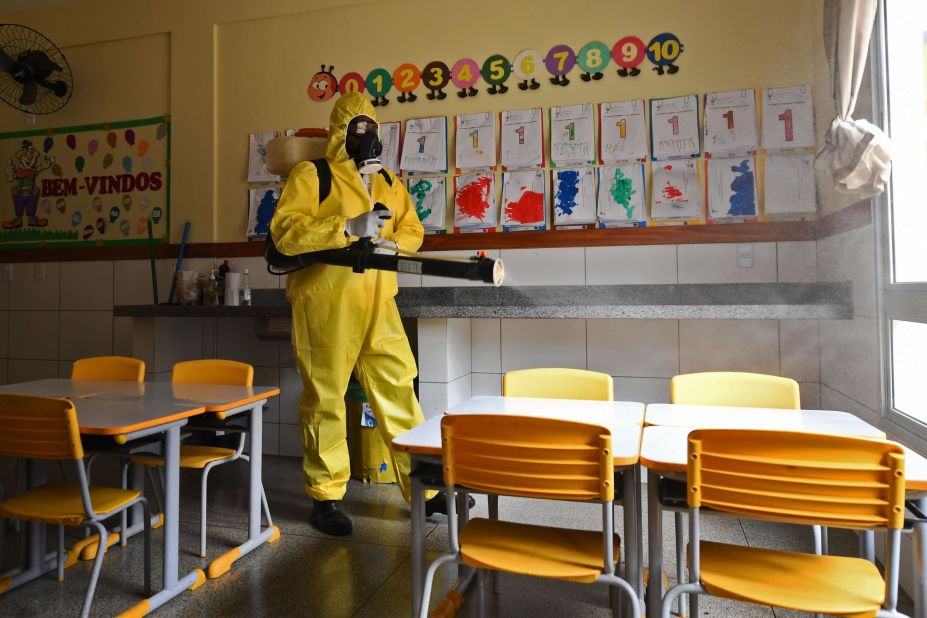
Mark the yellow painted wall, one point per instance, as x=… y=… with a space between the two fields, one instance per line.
x=224 y=69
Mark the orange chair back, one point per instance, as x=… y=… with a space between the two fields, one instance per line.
x=39 y=427
x=732 y=388
x=528 y=457
x=118 y=368
x=213 y=371
x=796 y=477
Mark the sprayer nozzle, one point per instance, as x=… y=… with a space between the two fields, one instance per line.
x=498 y=273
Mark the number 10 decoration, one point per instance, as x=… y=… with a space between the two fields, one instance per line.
x=628 y=52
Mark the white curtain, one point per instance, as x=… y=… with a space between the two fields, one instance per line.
x=857 y=153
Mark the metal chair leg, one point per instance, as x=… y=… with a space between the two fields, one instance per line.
x=146 y=513
x=155 y=489
x=203 y=480
x=97 y=564
x=493 y=502
x=481 y=591
x=60 y=553
x=124 y=516
x=680 y=562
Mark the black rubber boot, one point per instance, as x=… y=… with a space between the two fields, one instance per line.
x=438 y=504
x=327 y=518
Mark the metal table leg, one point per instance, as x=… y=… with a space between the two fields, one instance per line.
x=256 y=536
x=655 y=553
x=633 y=546
x=920 y=555
x=418 y=542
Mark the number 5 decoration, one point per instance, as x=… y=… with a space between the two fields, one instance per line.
x=627 y=54
x=526 y=68
x=464 y=74
x=662 y=51
x=496 y=69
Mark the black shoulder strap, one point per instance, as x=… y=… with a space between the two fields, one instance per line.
x=386 y=176
x=324 y=172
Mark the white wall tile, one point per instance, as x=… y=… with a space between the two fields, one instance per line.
x=287 y=357
x=850 y=359
x=65 y=368
x=271 y=441
x=35 y=286
x=644 y=390
x=432 y=349
x=458 y=391
x=566 y=266
x=175 y=340
x=634 y=348
x=729 y=345
x=291 y=440
x=799 y=350
x=407 y=280
x=835 y=400
x=797 y=261
x=257 y=272
x=87 y=285
x=810 y=395
x=631 y=265
x=430 y=282
x=851 y=257
x=143 y=341
x=236 y=339
x=485 y=384
x=28 y=370
x=269 y=376
x=132 y=281
x=485 y=345
x=291 y=387
x=5 y=289
x=85 y=333
x=34 y=335
x=432 y=396
x=458 y=348
x=717 y=263
x=4 y=334
x=543 y=343
x=122 y=336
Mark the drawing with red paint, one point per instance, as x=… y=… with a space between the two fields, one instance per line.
x=474 y=202
x=523 y=200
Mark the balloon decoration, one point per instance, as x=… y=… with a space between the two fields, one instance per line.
x=148 y=164
x=127 y=164
x=101 y=225
x=593 y=58
x=125 y=227
x=47 y=144
x=92 y=146
x=114 y=214
x=130 y=137
x=107 y=160
x=75 y=219
x=88 y=230
x=144 y=202
x=111 y=139
x=56 y=170
x=127 y=202
x=156 y=214
x=61 y=204
x=71 y=141
x=142 y=147
x=141 y=226
x=46 y=205
x=161 y=131
x=79 y=164
x=97 y=203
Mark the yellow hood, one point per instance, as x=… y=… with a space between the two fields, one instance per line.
x=346 y=108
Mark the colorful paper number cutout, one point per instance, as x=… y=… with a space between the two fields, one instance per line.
x=627 y=53
x=322 y=86
x=496 y=69
x=351 y=82
x=436 y=76
x=592 y=58
x=559 y=61
x=526 y=67
x=379 y=82
x=406 y=78
x=464 y=75
x=662 y=51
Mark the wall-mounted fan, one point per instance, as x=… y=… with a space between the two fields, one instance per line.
x=34 y=75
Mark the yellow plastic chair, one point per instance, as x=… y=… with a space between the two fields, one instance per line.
x=110 y=368
x=46 y=428
x=733 y=388
x=529 y=457
x=205 y=458
x=799 y=478
x=554 y=383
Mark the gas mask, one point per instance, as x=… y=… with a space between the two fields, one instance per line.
x=365 y=151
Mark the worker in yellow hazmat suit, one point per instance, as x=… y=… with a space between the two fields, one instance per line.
x=344 y=321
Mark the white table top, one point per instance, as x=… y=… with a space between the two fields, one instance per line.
x=622 y=418
x=664 y=449
x=722 y=417
x=108 y=418
x=214 y=397
x=71 y=389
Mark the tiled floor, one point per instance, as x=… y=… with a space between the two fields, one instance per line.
x=366 y=575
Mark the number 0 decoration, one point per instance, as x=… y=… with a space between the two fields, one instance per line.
x=628 y=52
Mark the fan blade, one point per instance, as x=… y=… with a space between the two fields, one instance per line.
x=6 y=63
x=29 y=92
x=41 y=65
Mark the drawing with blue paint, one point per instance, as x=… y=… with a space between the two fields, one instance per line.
x=742 y=200
x=567 y=190
x=265 y=211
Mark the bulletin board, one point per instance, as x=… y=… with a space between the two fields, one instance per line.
x=90 y=185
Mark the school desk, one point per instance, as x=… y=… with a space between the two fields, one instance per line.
x=624 y=419
x=664 y=450
x=119 y=413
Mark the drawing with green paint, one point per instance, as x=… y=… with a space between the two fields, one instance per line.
x=419 y=192
x=622 y=189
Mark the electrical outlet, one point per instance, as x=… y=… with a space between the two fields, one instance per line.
x=39 y=271
x=745 y=255
x=7 y=272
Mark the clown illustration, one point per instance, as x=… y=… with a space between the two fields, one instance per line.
x=23 y=170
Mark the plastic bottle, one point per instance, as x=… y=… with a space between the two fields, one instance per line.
x=244 y=293
x=211 y=293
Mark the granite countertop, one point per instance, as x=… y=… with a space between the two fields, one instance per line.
x=738 y=301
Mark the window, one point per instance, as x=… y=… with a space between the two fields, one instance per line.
x=899 y=57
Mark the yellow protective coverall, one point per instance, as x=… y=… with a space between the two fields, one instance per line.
x=344 y=320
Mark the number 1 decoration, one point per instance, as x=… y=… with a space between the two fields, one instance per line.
x=593 y=58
